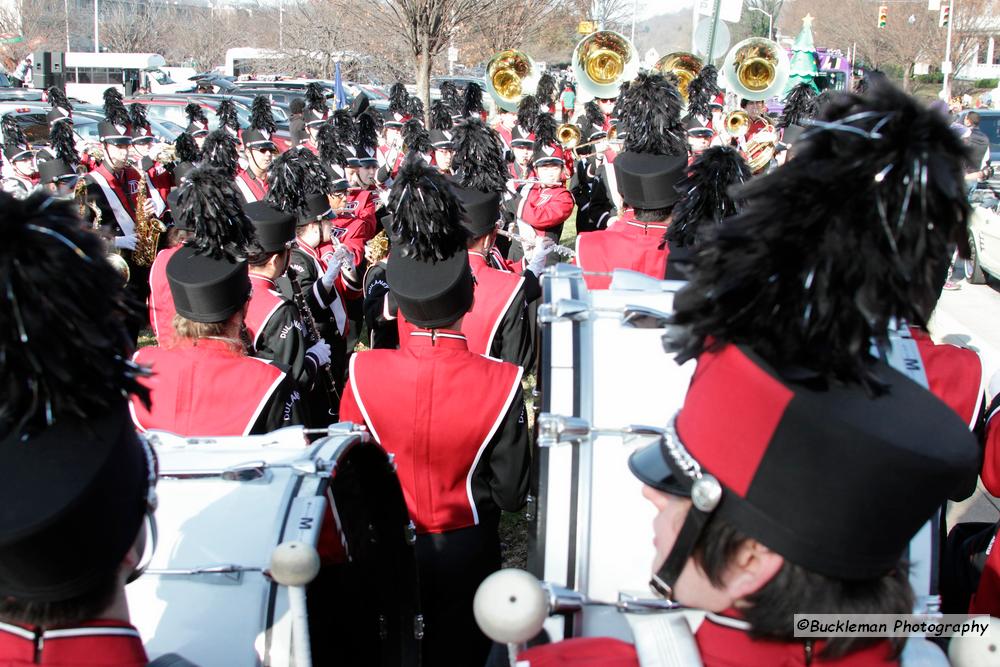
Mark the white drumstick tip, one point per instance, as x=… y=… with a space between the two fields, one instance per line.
x=510 y=606
x=294 y=563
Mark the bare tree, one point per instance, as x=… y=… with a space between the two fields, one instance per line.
x=512 y=23
x=39 y=23
x=131 y=27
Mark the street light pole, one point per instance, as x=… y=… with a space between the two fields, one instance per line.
x=281 y=24
x=770 y=20
x=97 y=48
x=946 y=82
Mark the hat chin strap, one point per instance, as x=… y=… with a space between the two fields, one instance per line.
x=666 y=577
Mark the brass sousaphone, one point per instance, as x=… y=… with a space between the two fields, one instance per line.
x=602 y=61
x=756 y=69
x=510 y=75
x=683 y=65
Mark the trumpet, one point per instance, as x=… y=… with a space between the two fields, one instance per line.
x=568 y=253
x=611 y=138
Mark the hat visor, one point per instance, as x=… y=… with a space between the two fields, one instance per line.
x=117 y=141
x=650 y=465
x=200 y=133
x=548 y=162
x=262 y=146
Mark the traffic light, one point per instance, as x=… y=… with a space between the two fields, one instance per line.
x=883 y=16
x=945 y=15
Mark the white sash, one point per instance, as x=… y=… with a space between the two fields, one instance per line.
x=124 y=218
x=158 y=204
x=245 y=190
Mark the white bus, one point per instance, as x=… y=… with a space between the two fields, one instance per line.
x=88 y=75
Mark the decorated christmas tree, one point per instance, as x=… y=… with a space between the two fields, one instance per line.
x=802 y=68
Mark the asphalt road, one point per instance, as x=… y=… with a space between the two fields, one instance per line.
x=970 y=317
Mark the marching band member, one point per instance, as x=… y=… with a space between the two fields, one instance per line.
x=273 y=321
x=160 y=301
x=159 y=181
x=21 y=175
x=444 y=150
x=521 y=148
x=197 y=127
x=506 y=122
x=540 y=208
x=737 y=533
x=462 y=454
x=699 y=137
x=58 y=177
x=259 y=150
x=60 y=113
x=77 y=481
x=655 y=159
x=315 y=116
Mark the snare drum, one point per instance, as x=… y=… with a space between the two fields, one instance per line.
x=226 y=503
x=602 y=362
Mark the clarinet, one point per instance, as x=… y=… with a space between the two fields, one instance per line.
x=312 y=335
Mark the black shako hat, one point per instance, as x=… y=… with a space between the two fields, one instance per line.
x=831 y=478
x=442 y=139
x=49 y=171
x=316 y=208
x=275 y=228
x=207 y=289
x=428 y=270
x=647 y=181
x=482 y=210
x=113 y=133
x=71 y=505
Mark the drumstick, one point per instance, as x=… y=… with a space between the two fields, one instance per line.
x=293 y=565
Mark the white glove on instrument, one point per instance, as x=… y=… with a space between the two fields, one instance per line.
x=334 y=263
x=127 y=242
x=541 y=250
x=320 y=352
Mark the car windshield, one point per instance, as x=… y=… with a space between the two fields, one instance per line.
x=990 y=125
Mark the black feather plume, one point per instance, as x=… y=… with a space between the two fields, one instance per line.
x=226 y=113
x=441 y=116
x=415 y=137
x=186 y=148
x=651 y=117
x=619 y=108
x=527 y=112
x=545 y=91
x=194 y=113
x=545 y=130
x=137 y=116
x=367 y=142
x=426 y=213
x=114 y=107
x=449 y=96
x=58 y=99
x=479 y=161
x=315 y=97
x=347 y=131
x=472 y=104
x=220 y=151
x=809 y=275
x=261 y=115
x=210 y=203
x=53 y=270
x=594 y=114
x=12 y=132
x=415 y=107
x=801 y=104
x=294 y=175
x=398 y=97
x=705 y=195
x=64 y=144
x=330 y=150
x=702 y=90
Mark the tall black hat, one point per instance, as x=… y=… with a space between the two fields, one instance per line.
x=275 y=229
x=51 y=171
x=428 y=270
x=76 y=481
x=61 y=109
x=197 y=120
x=210 y=204
x=482 y=210
x=262 y=126
x=649 y=181
x=207 y=289
x=367 y=141
x=139 y=122
x=441 y=139
x=315 y=208
x=115 y=111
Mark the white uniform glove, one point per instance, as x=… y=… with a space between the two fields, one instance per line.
x=541 y=250
x=320 y=352
x=127 y=242
x=334 y=264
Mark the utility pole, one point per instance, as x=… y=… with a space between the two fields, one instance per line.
x=97 y=42
x=946 y=68
x=712 y=33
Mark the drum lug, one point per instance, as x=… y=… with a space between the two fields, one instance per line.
x=556 y=429
x=392 y=461
x=563 y=309
x=418 y=626
x=530 y=507
x=411 y=533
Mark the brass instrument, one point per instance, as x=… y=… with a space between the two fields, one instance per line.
x=95 y=150
x=759 y=152
x=167 y=155
x=510 y=75
x=313 y=336
x=601 y=62
x=377 y=249
x=611 y=138
x=147 y=228
x=737 y=123
x=568 y=135
x=84 y=204
x=568 y=253
x=756 y=69
x=683 y=65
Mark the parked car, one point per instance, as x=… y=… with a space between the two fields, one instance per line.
x=33 y=120
x=25 y=94
x=288 y=90
x=989 y=123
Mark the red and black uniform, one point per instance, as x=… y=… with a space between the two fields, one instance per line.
x=605 y=200
x=497 y=325
x=627 y=244
x=161 y=301
x=91 y=644
x=19 y=185
x=277 y=332
x=520 y=173
x=380 y=313
x=115 y=197
x=955 y=375
x=541 y=210
x=455 y=422
x=251 y=187
x=308 y=144
x=722 y=641
x=159 y=180
x=204 y=387
x=506 y=136
x=388 y=165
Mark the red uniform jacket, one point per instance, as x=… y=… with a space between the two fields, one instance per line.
x=277 y=331
x=115 y=197
x=722 y=642
x=91 y=644
x=452 y=420
x=954 y=374
x=497 y=325
x=308 y=144
x=627 y=244
x=544 y=208
x=505 y=135
x=250 y=187
x=207 y=389
x=161 y=301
